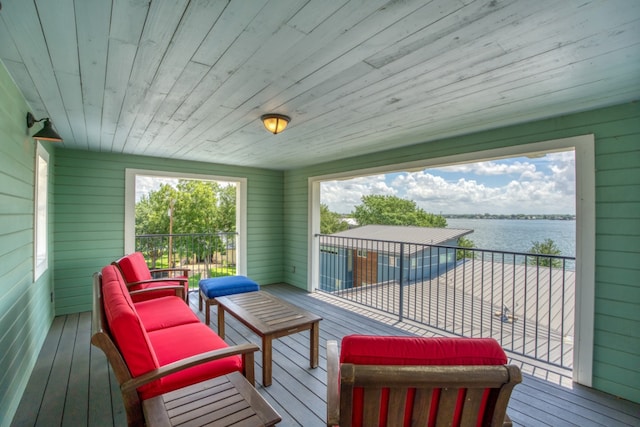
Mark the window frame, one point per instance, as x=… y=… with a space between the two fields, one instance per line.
x=40 y=213
x=584 y=149
x=241 y=207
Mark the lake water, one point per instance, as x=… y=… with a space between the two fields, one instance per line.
x=512 y=235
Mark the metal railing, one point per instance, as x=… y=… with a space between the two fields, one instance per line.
x=523 y=300
x=205 y=254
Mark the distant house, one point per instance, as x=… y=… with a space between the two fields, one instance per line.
x=380 y=253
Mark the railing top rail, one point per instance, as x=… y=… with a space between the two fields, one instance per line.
x=491 y=251
x=188 y=234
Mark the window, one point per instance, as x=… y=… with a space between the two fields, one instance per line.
x=134 y=178
x=40 y=246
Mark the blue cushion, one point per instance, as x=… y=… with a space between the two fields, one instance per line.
x=227 y=285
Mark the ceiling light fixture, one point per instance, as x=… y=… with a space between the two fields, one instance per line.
x=46 y=133
x=275 y=123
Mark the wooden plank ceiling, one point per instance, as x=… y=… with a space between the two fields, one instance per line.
x=190 y=79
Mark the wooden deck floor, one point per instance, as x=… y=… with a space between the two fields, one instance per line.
x=71 y=384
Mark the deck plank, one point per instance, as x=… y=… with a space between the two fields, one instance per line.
x=75 y=407
x=53 y=402
x=69 y=368
x=27 y=412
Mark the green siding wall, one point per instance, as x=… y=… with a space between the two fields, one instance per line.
x=617 y=151
x=89 y=220
x=25 y=308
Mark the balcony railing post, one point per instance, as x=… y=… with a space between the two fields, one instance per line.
x=401 y=295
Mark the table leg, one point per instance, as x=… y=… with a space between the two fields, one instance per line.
x=267 y=342
x=220 y=322
x=314 y=343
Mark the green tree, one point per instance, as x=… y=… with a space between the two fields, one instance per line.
x=463 y=242
x=392 y=210
x=152 y=211
x=331 y=222
x=197 y=207
x=548 y=247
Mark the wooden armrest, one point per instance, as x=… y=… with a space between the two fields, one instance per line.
x=184 y=271
x=333 y=386
x=507 y=421
x=160 y=280
x=179 y=290
x=188 y=362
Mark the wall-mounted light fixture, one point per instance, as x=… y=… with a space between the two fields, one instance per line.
x=46 y=133
x=275 y=123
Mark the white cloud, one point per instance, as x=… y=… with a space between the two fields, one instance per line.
x=491 y=168
x=147 y=184
x=539 y=186
x=343 y=196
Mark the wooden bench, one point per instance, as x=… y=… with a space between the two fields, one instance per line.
x=127 y=333
x=270 y=318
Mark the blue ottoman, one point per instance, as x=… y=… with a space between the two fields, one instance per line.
x=220 y=286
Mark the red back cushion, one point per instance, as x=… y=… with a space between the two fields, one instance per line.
x=126 y=329
x=411 y=351
x=382 y=350
x=134 y=267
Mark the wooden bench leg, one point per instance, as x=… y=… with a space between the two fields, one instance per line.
x=267 y=354
x=208 y=302
x=314 y=343
x=220 y=322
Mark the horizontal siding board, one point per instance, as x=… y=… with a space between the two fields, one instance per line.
x=618 y=193
x=612 y=375
x=617 y=276
x=609 y=325
x=618 y=242
x=617 y=259
x=622 y=176
x=617 y=210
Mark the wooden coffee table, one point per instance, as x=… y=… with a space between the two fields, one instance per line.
x=270 y=318
x=223 y=401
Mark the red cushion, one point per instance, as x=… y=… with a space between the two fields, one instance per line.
x=134 y=267
x=393 y=350
x=126 y=328
x=183 y=341
x=383 y=350
x=165 y=312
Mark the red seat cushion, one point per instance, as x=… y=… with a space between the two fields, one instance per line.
x=183 y=341
x=165 y=312
x=412 y=351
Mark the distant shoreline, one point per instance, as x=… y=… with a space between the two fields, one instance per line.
x=557 y=217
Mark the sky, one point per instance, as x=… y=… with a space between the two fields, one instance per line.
x=146 y=184
x=522 y=185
